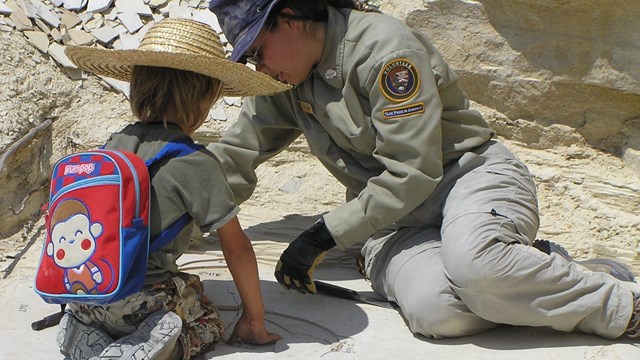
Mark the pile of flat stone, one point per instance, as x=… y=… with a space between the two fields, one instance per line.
x=52 y=25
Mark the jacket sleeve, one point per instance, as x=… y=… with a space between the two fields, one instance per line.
x=253 y=139
x=408 y=126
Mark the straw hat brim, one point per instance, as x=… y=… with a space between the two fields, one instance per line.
x=237 y=79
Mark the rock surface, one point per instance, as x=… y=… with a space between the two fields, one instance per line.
x=564 y=71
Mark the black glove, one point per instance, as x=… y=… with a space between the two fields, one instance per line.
x=295 y=267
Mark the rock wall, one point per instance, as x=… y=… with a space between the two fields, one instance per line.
x=25 y=103
x=547 y=65
x=43 y=115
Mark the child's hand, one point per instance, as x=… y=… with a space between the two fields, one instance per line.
x=251 y=332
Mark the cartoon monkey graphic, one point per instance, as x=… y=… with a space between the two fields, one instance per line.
x=73 y=242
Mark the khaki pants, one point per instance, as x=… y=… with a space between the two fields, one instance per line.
x=462 y=261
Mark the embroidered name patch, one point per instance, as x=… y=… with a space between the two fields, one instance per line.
x=403 y=111
x=399 y=80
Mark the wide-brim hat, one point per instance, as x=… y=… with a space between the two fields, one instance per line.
x=179 y=44
x=241 y=21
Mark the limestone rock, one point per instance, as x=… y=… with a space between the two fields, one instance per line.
x=573 y=63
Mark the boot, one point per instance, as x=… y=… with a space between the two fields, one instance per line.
x=633 y=330
x=156 y=338
x=79 y=341
x=611 y=267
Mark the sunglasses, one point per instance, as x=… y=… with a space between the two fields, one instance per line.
x=256 y=59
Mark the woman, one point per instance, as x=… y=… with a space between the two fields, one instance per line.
x=448 y=214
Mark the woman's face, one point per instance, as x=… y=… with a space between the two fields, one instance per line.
x=287 y=52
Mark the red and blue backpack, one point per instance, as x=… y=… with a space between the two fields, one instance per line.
x=97 y=226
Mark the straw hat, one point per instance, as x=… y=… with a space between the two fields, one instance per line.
x=180 y=44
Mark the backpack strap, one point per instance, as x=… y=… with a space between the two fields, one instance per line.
x=168 y=234
x=49 y=321
x=173 y=149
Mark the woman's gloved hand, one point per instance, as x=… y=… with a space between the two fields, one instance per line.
x=297 y=263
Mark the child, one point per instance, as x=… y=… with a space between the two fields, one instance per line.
x=176 y=75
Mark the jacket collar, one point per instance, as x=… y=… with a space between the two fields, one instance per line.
x=330 y=66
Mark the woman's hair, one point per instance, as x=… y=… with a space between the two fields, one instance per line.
x=158 y=93
x=316 y=10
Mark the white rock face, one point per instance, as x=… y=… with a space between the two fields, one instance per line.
x=572 y=63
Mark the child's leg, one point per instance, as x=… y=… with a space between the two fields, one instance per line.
x=182 y=294
x=79 y=341
x=202 y=326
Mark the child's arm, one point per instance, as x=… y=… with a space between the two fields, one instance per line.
x=241 y=260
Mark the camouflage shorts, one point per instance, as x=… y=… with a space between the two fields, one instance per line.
x=183 y=294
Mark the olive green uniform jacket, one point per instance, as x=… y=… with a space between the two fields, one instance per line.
x=381 y=110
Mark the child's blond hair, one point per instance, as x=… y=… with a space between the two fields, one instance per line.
x=156 y=92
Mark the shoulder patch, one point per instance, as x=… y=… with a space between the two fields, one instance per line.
x=399 y=80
